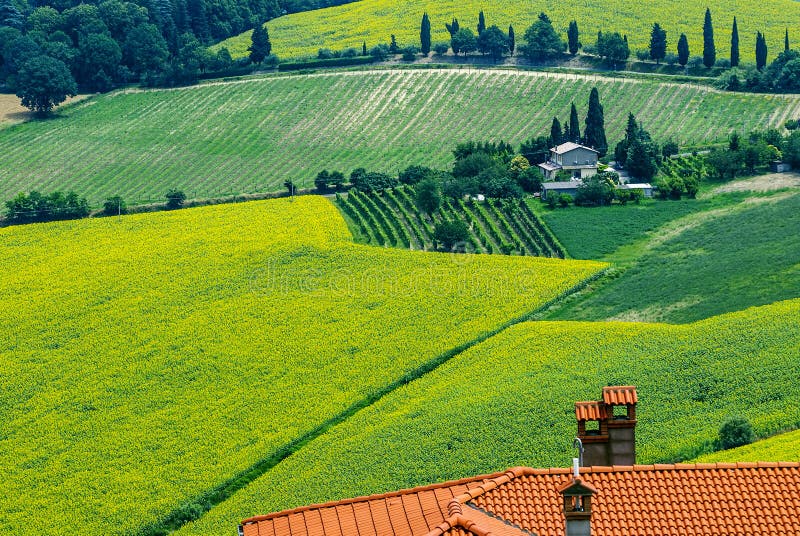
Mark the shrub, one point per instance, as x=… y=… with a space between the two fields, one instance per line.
x=791 y=124
x=643 y=55
x=735 y=432
x=379 y=52
x=326 y=54
x=671 y=59
x=564 y=200
x=450 y=234
x=410 y=53
x=349 y=53
x=441 y=48
x=175 y=199
x=114 y=205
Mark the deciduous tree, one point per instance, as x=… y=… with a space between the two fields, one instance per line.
x=542 y=40
x=494 y=42
x=44 y=82
x=260 y=46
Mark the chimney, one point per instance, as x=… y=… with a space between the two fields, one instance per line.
x=577 y=505
x=607 y=427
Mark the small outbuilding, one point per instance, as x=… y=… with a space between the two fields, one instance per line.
x=558 y=188
x=645 y=187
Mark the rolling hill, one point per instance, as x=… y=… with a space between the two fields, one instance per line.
x=150 y=359
x=509 y=401
x=373 y=21
x=251 y=135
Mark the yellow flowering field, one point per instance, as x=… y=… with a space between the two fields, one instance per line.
x=373 y=21
x=147 y=359
x=510 y=401
x=780 y=448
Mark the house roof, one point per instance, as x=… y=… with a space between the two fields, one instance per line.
x=590 y=411
x=637 y=185
x=723 y=499
x=549 y=166
x=563 y=185
x=619 y=395
x=570 y=146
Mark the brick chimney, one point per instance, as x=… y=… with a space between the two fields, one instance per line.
x=577 y=496
x=607 y=427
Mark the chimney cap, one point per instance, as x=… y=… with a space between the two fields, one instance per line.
x=577 y=488
x=620 y=395
x=590 y=411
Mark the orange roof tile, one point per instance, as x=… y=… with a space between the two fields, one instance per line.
x=618 y=395
x=724 y=499
x=590 y=411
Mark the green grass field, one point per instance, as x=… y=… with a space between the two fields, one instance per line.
x=780 y=448
x=183 y=347
x=509 y=401
x=702 y=264
x=252 y=135
x=373 y=21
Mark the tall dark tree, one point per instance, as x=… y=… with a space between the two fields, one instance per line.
x=683 y=50
x=481 y=22
x=556 y=135
x=364 y=48
x=709 y=50
x=786 y=40
x=453 y=27
x=595 y=134
x=425 y=35
x=260 y=46
x=574 y=125
x=658 y=43
x=511 y=40
x=44 y=82
x=761 y=51
x=735 y=44
x=573 y=43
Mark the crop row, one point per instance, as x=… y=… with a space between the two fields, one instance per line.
x=495 y=226
x=251 y=136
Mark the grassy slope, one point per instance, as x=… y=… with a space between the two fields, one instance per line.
x=509 y=401
x=780 y=448
x=703 y=264
x=185 y=346
x=252 y=135
x=374 y=20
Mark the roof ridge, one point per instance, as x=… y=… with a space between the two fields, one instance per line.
x=377 y=496
x=676 y=467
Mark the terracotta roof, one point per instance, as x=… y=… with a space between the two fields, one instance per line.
x=620 y=395
x=723 y=499
x=590 y=411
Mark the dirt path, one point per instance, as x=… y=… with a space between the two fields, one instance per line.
x=12 y=112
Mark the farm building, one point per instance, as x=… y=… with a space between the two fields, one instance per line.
x=578 y=159
x=558 y=188
x=645 y=187
x=609 y=496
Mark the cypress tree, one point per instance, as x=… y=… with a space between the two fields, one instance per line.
x=709 y=50
x=425 y=34
x=683 y=50
x=574 y=125
x=511 y=41
x=573 y=44
x=481 y=22
x=595 y=134
x=658 y=43
x=453 y=27
x=364 y=48
x=735 y=44
x=260 y=47
x=761 y=51
x=556 y=137
x=786 y=40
